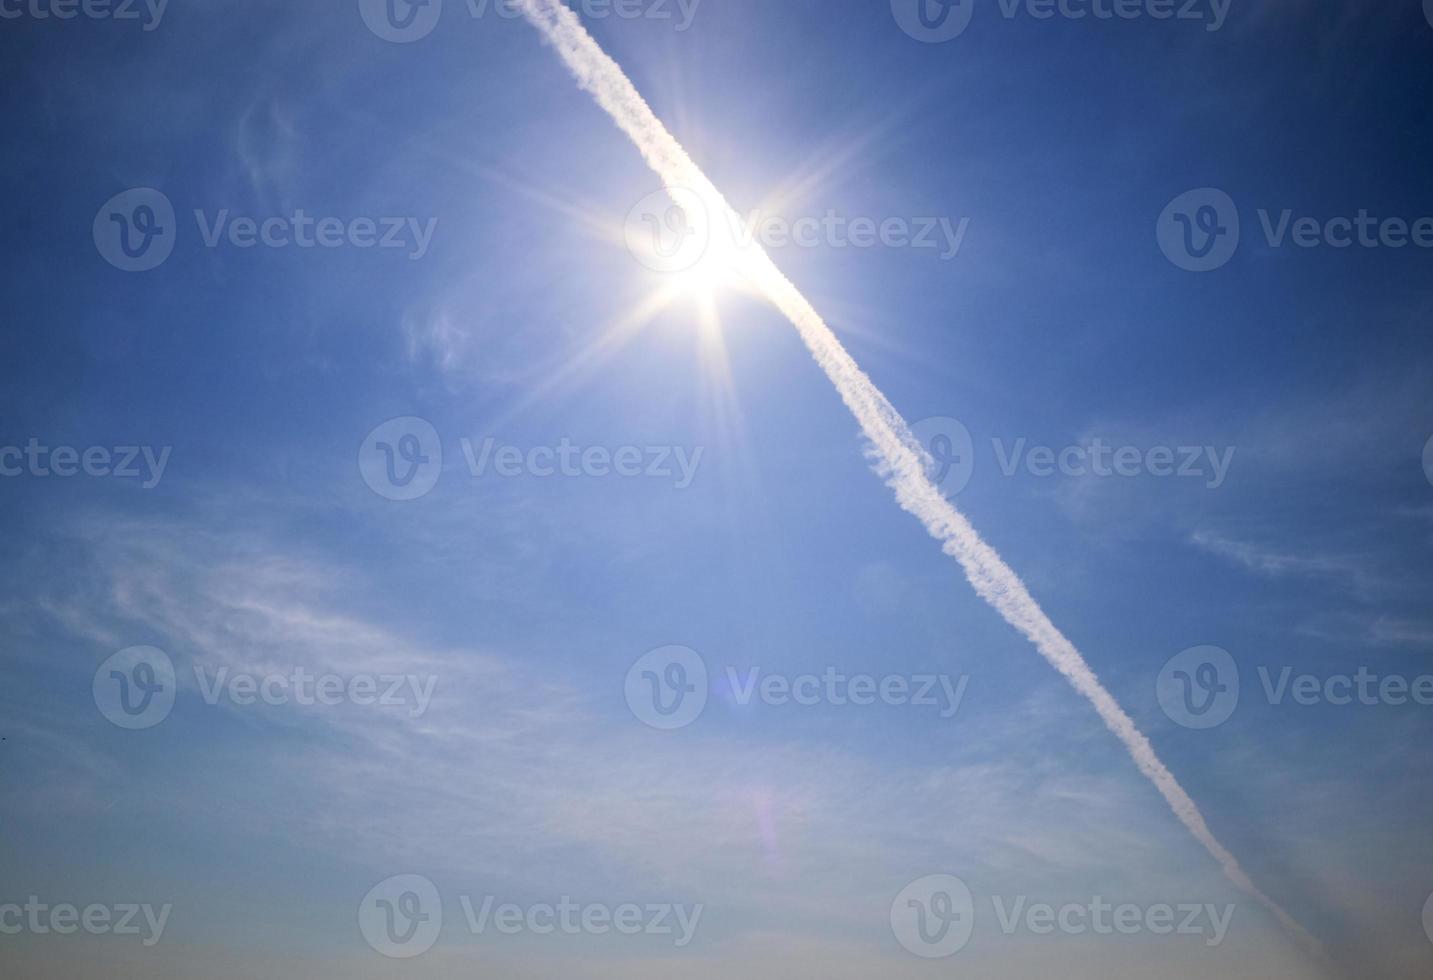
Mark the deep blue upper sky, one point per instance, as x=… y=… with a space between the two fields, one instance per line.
x=1059 y=322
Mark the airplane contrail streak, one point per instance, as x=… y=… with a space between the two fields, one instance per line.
x=899 y=456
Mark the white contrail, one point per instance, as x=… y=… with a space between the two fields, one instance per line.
x=899 y=456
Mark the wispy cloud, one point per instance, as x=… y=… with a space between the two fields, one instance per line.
x=513 y=776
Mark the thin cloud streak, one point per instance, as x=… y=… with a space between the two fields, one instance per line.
x=898 y=455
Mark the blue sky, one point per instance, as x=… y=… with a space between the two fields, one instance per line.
x=525 y=319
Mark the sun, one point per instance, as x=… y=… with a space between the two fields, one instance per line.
x=717 y=271
x=690 y=239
